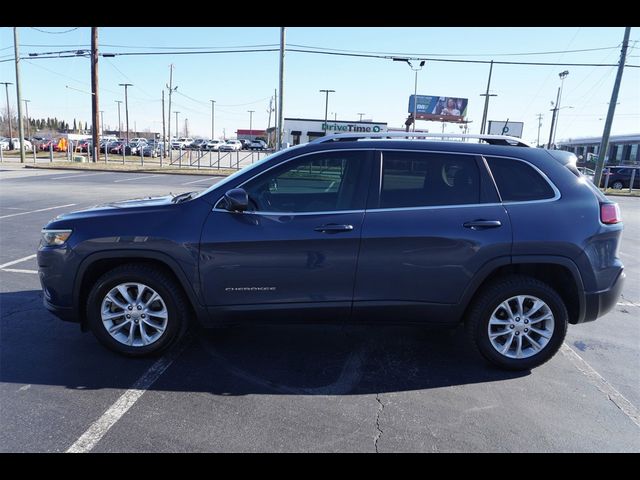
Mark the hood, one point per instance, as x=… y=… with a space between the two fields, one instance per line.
x=123 y=206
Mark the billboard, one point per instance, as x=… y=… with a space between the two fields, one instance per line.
x=445 y=109
x=505 y=127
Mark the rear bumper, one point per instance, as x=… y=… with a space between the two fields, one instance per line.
x=599 y=303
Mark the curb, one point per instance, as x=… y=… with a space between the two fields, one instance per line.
x=194 y=172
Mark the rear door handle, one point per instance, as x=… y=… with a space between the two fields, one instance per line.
x=333 y=228
x=482 y=224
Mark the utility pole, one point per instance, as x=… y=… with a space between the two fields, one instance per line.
x=250 y=124
x=269 y=112
x=555 y=128
x=164 y=145
x=177 y=134
x=213 y=116
x=94 y=90
x=171 y=90
x=326 y=108
x=126 y=106
x=361 y=114
x=6 y=86
x=20 y=125
x=186 y=127
x=553 y=119
x=102 y=123
x=281 y=87
x=485 y=112
x=119 y=121
x=26 y=107
x=539 y=126
x=604 y=144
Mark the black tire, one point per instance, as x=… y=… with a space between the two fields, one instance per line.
x=491 y=296
x=617 y=185
x=171 y=293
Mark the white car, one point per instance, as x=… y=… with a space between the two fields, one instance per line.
x=231 y=146
x=182 y=142
x=214 y=145
x=258 y=145
x=4 y=143
x=16 y=144
x=138 y=140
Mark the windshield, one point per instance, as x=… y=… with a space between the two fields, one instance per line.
x=244 y=170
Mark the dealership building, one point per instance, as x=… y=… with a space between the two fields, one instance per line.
x=304 y=130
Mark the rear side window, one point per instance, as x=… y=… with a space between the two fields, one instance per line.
x=518 y=181
x=416 y=179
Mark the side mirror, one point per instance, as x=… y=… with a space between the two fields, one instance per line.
x=237 y=200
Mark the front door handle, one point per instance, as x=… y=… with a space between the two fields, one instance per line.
x=482 y=224
x=333 y=228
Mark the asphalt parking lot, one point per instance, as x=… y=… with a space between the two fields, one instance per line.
x=292 y=388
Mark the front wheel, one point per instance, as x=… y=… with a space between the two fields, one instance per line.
x=136 y=310
x=518 y=323
x=617 y=185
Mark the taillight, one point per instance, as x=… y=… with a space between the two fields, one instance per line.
x=610 y=213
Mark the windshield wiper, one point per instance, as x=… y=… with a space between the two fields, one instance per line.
x=182 y=197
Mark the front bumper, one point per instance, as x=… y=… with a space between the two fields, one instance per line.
x=599 y=303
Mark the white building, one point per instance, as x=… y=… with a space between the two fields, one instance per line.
x=303 y=130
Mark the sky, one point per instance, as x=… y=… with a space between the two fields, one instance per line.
x=379 y=88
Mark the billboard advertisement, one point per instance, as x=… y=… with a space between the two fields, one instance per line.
x=445 y=109
x=505 y=127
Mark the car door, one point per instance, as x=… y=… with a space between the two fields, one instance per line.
x=433 y=221
x=298 y=245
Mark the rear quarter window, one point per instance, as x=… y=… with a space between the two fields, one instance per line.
x=517 y=181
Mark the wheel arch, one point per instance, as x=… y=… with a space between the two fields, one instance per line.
x=99 y=263
x=560 y=273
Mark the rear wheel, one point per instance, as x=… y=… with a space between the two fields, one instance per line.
x=617 y=185
x=518 y=323
x=136 y=310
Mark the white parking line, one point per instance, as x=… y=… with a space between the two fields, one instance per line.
x=80 y=175
x=39 y=210
x=98 y=429
x=135 y=178
x=20 y=260
x=625 y=406
x=17 y=270
x=200 y=180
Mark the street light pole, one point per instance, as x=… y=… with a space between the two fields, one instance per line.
x=361 y=114
x=485 y=112
x=562 y=76
x=26 y=107
x=177 y=134
x=326 y=108
x=119 y=122
x=415 y=87
x=213 y=112
x=102 y=123
x=126 y=106
x=6 y=84
x=250 y=124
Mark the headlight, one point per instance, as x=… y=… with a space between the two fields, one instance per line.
x=55 y=237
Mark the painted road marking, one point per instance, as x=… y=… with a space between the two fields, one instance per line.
x=200 y=180
x=135 y=178
x=35 y=211
x=81 y=175
x=18 y=270
x=89 y=439
x=20 y=260
x=625 y=406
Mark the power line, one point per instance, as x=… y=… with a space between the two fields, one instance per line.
x=453 y=54
x=46 y=31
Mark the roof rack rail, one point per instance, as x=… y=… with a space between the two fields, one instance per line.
x=491 y=139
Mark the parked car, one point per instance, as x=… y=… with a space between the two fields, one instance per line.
x=496 y=236
x=258 y=145
x=620 y=177
x=182 y=142
x=152 y=149
x=117 y=147
x=198 y=144
x=28 y=146
x=139 y=140
x=245 y=144
x=214 y=144
x=231 y=146
x=587 y=172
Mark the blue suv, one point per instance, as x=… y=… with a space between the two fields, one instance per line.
x=511 y=240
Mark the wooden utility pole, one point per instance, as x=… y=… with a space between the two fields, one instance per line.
x=281 y=89
x=604 y=144
x=19 y=99
x=95 y=109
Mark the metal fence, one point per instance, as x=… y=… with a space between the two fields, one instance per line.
x=182 y=158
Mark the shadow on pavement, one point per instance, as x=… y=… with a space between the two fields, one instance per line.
x=37 y=348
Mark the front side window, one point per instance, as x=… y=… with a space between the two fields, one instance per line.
x=518 y=181
x=330 y=181
x=416 y=179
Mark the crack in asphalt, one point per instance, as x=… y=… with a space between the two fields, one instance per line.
x=378 y=414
